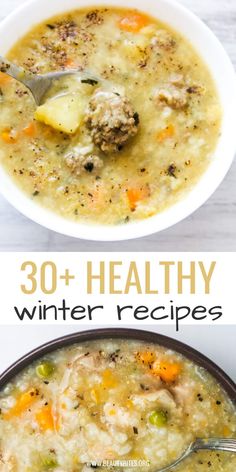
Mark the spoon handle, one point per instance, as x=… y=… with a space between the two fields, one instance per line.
x=14 y=71
x=215 y=444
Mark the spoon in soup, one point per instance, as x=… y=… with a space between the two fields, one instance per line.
x=213 y=444
x=39 y=84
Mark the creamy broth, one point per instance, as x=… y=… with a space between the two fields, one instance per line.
x=113 y=400
x=155 y=86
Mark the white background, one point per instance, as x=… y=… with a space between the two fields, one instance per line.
x=222 y=287
x=211 y=228
x=218 y=342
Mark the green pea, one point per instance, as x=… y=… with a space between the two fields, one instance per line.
x=45 y=370
x=158 y=418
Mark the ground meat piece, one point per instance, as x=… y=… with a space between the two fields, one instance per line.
x=81 y=160
x=56 y=53
x=111 y=120
x=67 y=30
x=94 y=18
x=173 y=96
x=163 y=40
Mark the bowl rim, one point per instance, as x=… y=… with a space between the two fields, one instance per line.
x=228 y=385
x=186 y=206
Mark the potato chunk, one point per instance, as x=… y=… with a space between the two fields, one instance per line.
x=64 y=113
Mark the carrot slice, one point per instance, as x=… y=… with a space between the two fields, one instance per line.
x=4 y=78
x=135 y=195
x=30 y=130
x=133 y=22
x=44 y=418
x=9 y=136
x=146 y=357
x=166 y=133
x=166 y=371
x=23 y=403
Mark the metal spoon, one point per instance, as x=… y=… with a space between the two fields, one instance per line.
x=40 y=84
x=213 y=444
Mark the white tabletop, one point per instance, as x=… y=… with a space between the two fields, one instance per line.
x=211 y=228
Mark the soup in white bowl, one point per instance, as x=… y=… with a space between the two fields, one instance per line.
x=118 y=150
x=145 y=144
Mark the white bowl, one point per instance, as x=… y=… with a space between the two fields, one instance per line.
x=208 y=46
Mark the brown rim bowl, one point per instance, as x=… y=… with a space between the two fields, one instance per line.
x=227 y=384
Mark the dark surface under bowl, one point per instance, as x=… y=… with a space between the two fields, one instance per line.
x=122 y=333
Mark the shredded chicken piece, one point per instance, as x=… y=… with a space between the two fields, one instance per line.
x=7 y=463
x=163 y=396
x=184 y=394
x=91 y=361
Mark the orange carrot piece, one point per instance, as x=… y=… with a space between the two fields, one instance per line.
x=166 y=371
x=70 y=64
x=29 y=130
x=4 y=78
x=108 y=379
x=44 y=418
x=24 y=402
x=146 y=357
x=166 y=133
x=133 y=22
x=9 y=136
x=135 y=195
